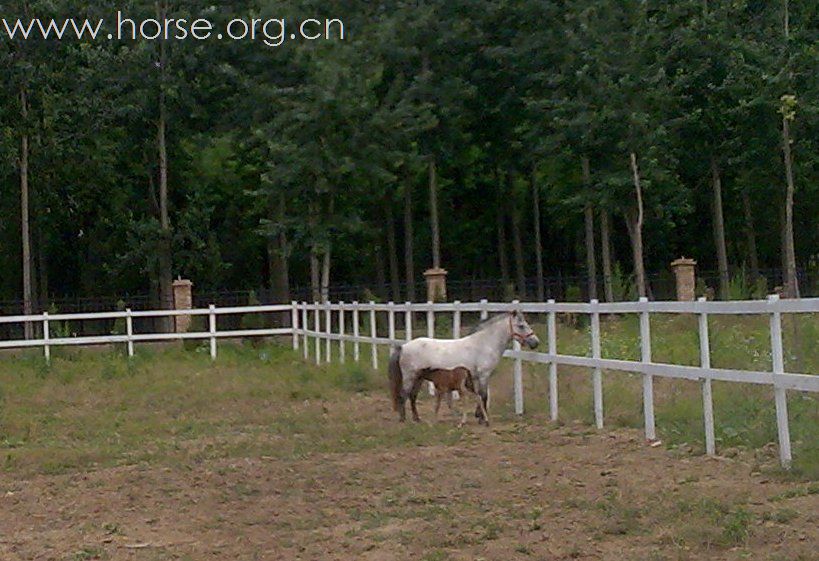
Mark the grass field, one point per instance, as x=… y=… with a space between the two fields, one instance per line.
x=99 y=457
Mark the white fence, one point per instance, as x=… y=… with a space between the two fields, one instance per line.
x=324 y=317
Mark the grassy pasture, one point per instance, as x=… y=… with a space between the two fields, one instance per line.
x=96 y=407
x=261 y=440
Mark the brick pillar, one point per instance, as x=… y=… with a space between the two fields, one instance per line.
x=686 y=279
x=436 y=285
x=182 y=300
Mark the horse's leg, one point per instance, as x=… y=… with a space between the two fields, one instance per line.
x=481 y=388
x=413 y=397
x=409 y=390
x=482 y=403
x=463 y=409
x=402 y=407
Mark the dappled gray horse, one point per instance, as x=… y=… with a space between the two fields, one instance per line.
x=479 y=353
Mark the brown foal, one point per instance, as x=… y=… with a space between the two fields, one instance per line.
x=447 y=381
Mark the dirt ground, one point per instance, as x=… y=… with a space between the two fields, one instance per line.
x=524 y=490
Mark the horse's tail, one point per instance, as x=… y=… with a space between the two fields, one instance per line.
x=396 y=378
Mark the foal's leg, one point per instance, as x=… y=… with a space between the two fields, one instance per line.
x=438 y=398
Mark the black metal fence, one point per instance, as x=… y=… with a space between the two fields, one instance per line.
x=563 y=288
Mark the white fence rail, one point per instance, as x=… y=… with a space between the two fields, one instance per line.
x=779 y=380
x=326 y=316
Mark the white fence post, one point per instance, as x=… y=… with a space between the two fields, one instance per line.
x=305 y=327
x=484 y=309
x=707 y=396
x=391 y=320
x=328 y=329
x=129 y=331
x=430 y=335
x=552 y=336
x=648 y=379
x=342 y=351
x=294 y=324
x=408 y=322
x=212 y=325
x=46 y=347
x=456 y=320
x=778 y=359
x=374 y=334
x=597 y=374
x=356 y=334
x=517 y=371
x=317 y=331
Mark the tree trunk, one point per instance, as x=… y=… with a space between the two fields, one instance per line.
x=392 y=249
x=325 y=275
x=42 y=268
x=409 y=259
x=315 y=283
x=634 y=222
x=501 y=229
x=719 y=231
x=278 y=254
x=24 y=214
x=541 y=290
x=750 y=235
x=164 y=257
x=433 y=215
x=591 y=266
x=517 y=243
x=789 y=251
x=315 y=251
x=605 y=241
x=380 y=272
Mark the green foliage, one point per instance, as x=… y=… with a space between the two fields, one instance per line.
x=622 y=285
x=315 y=147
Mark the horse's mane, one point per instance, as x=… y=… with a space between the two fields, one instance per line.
x=487 y=322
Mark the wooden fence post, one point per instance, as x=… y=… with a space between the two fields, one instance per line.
x=597 y=374
x=317 y=331
x=707 y=397
x=374 y=334
x=305 y=327
x=517 y=371
x=391 y=320
x=212 y=325
x=294 y=324
x=46 y=347
x=356 y=328
x=408 y=322
x=328 y=329
x=129 y=331
x=648 y=379
x=552 y=336
x=342 y=351
x=780 y=395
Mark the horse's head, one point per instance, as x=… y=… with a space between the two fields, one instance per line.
x=521 y=331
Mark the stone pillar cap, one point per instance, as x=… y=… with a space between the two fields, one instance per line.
x=434 y=272
x=683 y=261
x=182 y=282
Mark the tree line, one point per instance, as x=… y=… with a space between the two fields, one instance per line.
x=500 y=139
